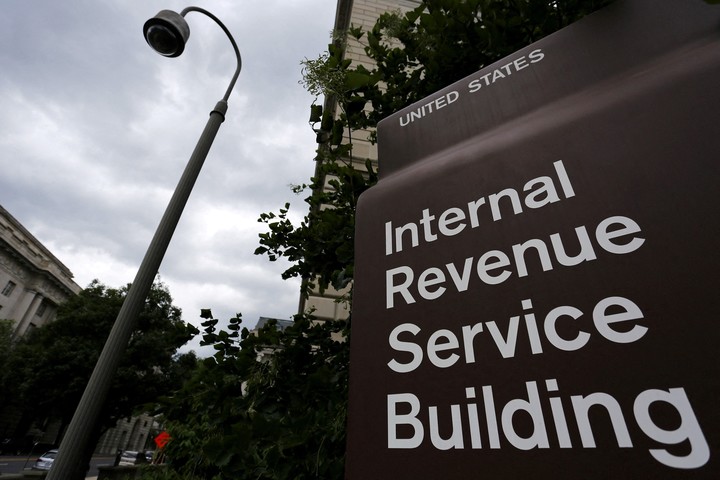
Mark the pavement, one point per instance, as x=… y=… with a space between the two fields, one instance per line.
x=26 y=461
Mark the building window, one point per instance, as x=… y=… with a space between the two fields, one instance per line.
x=9 y=288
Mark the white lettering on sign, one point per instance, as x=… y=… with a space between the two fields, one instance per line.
x=615 y=235
x=536 y=193
x=486 y=80
x=445 y=348
x=430 y=107
x=466 y=418
x=506 y=70
x=525 y=336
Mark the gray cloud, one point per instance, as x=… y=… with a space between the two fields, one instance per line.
x=96 y=129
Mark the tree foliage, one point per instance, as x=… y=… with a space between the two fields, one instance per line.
x=269 y=404
x=442 y=41
x=47 y=370
x=6 y=329
x=416 y=54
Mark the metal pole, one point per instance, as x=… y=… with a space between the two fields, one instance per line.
x=69 y=464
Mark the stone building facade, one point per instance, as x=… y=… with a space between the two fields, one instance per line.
x=330 y=304
x=33 y=282
x=134 y=433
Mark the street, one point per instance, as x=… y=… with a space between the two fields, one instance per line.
x=16 y=464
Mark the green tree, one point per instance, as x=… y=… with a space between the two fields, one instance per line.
x=269 y=404
x=416 y=54
x=272 y=405
x=442 y=41
x=6 y=328
x=47 y=370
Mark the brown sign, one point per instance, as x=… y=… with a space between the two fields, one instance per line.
x=541 y=299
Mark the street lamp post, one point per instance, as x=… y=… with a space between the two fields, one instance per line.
x=167 y=33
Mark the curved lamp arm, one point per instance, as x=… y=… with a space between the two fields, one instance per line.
x=232 y=41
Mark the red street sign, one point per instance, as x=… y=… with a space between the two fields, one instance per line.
x=162 y=439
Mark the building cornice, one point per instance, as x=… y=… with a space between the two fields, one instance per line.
x=19 y=246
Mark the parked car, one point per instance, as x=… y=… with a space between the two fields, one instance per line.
x=45 y=461
x=131 y=457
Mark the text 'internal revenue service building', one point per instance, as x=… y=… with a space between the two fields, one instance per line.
x=536 y=286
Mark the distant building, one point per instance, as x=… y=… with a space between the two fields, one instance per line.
x=330 y=304
x=264 y=354
x=33 y=282
x=279 y=323
x=134 y=433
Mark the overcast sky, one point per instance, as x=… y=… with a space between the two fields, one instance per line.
x=96 y=128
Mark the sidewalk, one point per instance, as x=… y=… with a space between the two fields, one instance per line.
x=24 y=462
x=10 y=476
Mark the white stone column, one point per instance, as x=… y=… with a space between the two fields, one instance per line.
x=25 y=310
